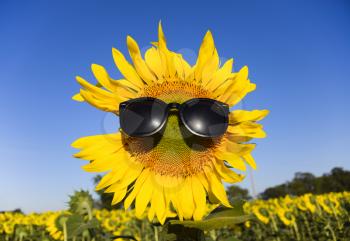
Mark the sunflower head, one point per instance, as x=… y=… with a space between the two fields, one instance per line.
x=55 y=224
x=81 y=202
x=173 y=172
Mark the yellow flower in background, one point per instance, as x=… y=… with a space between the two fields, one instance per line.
x=274 y=214
x=286 y=216
x=55 y=224
x=334 y=201
x=324 y=203
x=301 y=204
x=309 y=202
x=171 y=175
x=261 y=213
x=8 y=228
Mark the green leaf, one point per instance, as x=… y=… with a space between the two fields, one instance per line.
x=76 y=225
x=214 y=223
x=236 y=210
x=231 y=239
x=219 y=218
x=175 y=232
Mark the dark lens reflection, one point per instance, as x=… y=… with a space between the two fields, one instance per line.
x=206 y=118
x=142 y=117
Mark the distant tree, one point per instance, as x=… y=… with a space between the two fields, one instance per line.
x=337 y=180
x=273 y=192
x=302 y=183
x=17 y=210
x=236 y=192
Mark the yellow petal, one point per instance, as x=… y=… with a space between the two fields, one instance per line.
x=166 y=56
x=250 y=160
x=98 y=97
x=238 y=116
x=105 y=139
x=207 y=51
x=126 y=69
x=78 y=97
x=237 y=139
x=115 y=175
x=183 y=68
x=101 y=93
x=172 y=186
x=227 y=175
x=154 y=62
x=199 y=197
x=249 y=129
x=203 y=179
x=118 y=196
x=140 y=65
x=221 y=76
x=158 y=203
x=131 y=174
x=102 y=76
x=124 y=84
x=106 y=163
x=100 y=150
x=233 y=159
x=210 y=67
x=108 y=105
x=137 y=187
x=217 y=187
x=239 y=88
x=105 y=80
x=186 y=199
x=239 y=149
x=144 y=197
x=151 y=214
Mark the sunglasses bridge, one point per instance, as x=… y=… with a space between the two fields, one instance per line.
x=174 y=105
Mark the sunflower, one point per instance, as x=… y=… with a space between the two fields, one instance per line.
x=261 y=213
x=55 y=224
x=308 y=201
x=286 y=216
x=173 y=175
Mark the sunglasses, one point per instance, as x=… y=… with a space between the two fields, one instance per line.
x=146 y=116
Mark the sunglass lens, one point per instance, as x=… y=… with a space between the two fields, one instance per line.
x=206 y=118
x=142 y=118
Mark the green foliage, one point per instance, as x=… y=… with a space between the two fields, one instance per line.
x=235 y=192
x=76 y=225
x=338 y=180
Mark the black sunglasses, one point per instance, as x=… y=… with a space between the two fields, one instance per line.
x=147 y=116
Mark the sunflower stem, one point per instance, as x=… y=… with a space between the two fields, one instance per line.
x=307 y=226
x=178 y=232
x=65 y=235
x=156 y=233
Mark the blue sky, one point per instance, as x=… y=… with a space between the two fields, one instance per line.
x=297 y=53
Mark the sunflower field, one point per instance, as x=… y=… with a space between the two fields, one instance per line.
x=307 y=217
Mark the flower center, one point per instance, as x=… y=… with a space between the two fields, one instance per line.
x=175 y=151
x=175 y=91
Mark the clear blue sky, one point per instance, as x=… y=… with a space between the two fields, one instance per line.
x=297 y=52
